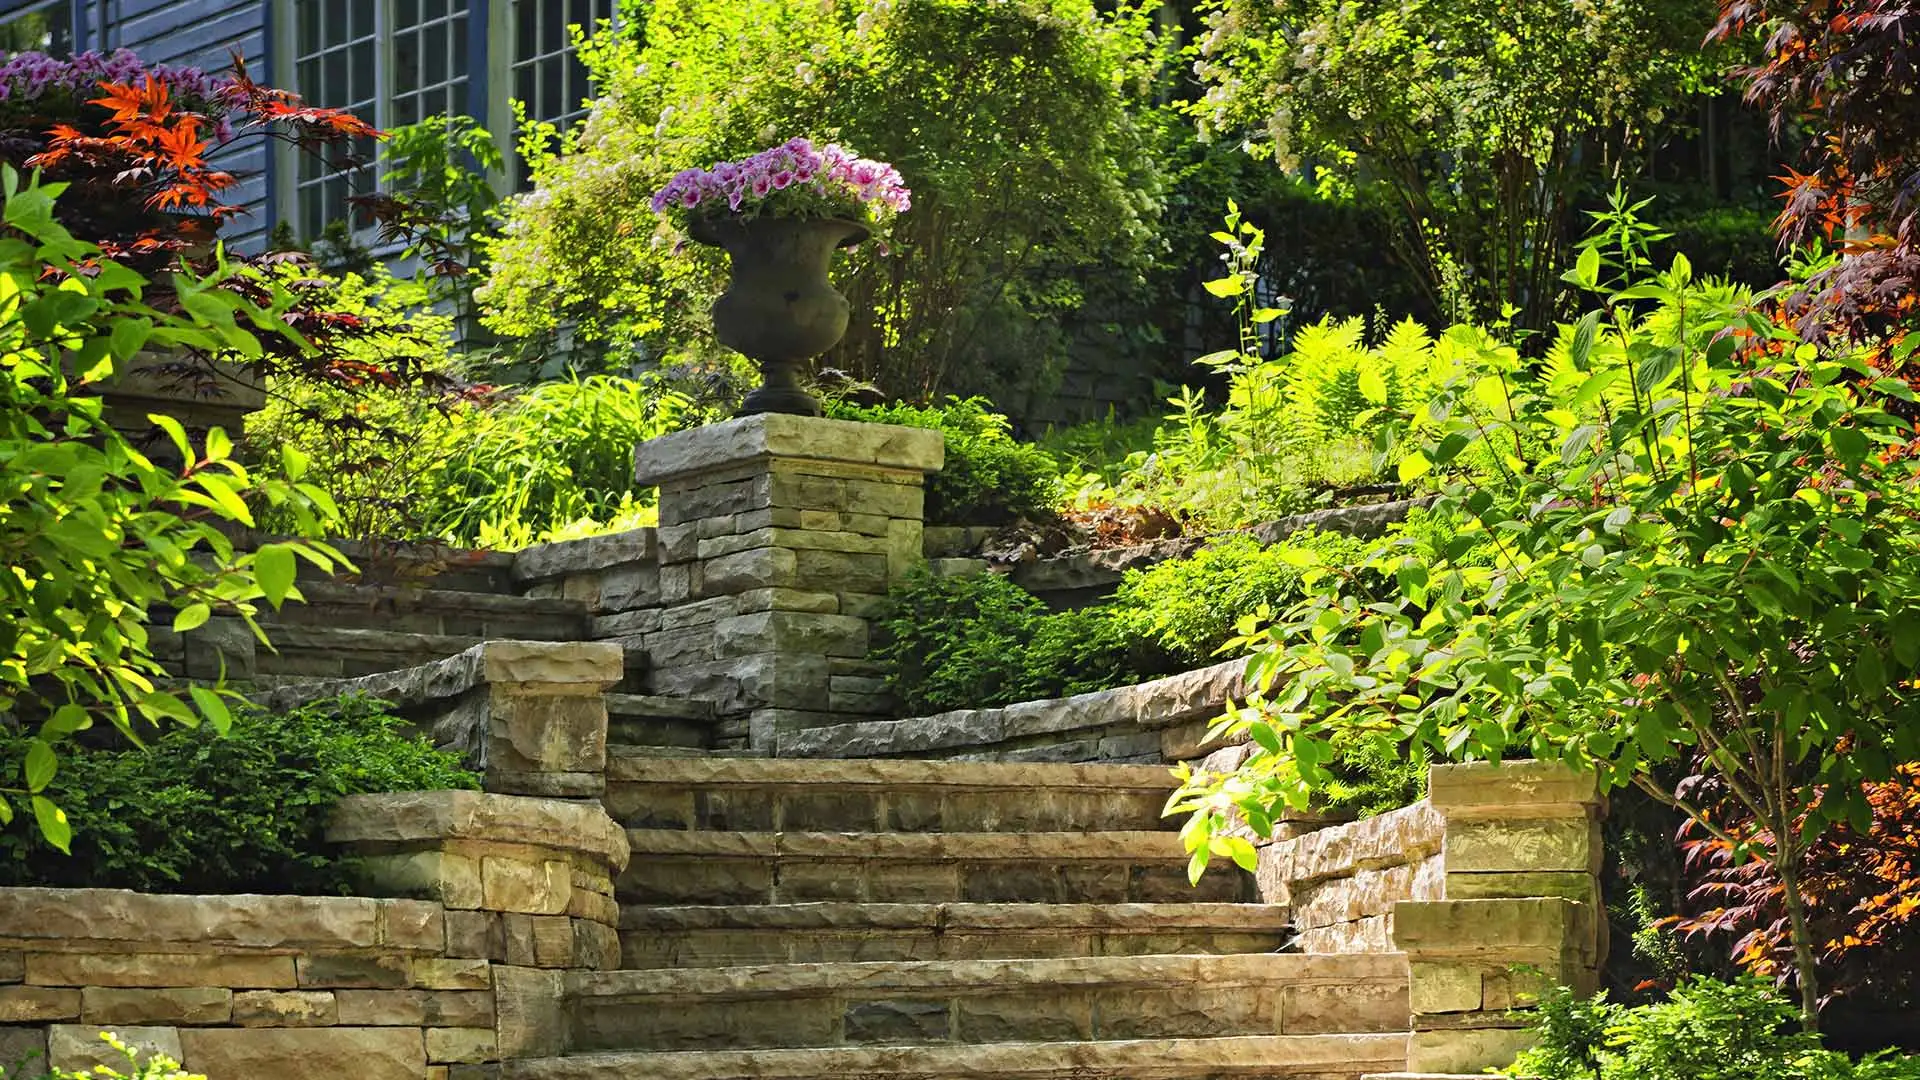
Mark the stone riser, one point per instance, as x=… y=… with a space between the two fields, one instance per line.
x=720 y=948
x=808 y=808
x=510 y=625
x=992 y=1016
x=1295 y=1057
x=707 y=879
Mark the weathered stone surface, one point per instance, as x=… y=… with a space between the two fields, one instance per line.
x=363 y=1053
x=542 y=561
x=475 y=934
x=1468 y=928
x=38 y=1004
x=389 y=971
x=285 y=1008
x=435 y=973
x=115 y=915
x=13 y=966
x=417 y=1008
x=791 y=632
x=161 y=969
x=451 y=878
x=1564 y=844
x=593 y=663
x=511 y=884
x=79 y=1048
x=23 y=1050
x=1467 y=1051
x=1514 y=789
x=754 y=439
x=1447 y=987
x=531 y=1019
x=468 y=1044
x=429 y=816
x=111 y=1007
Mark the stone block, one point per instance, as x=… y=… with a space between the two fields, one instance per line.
x=327 y=972
x=596 y=945
x=535 y=888
x=13 y=966
x=438 y=973
x=818 y=603
x=627 y=588
x=111 y=1007
x=23 y=1050
x=475 y=934
x=1513 y=789
x=530 y=1016
x=161 y=969
x=699 y=612
x=79 y=1048
x=1466 y=1051
x=681 y=543
x=552 y=941
x=1443 y=987
x=38 y=1004
x=364 y=1053
x=593 y=663
x=679 y=646
x=544 y=732
x=1566 y=844
x=750 y=441
x=435 y=817
x=1568 y=884
x=790 y=632
x=452 y=879
x=416 y=1008
x=461 y=1044
x=843 y=572
x=285 y=1008
x=759 y=568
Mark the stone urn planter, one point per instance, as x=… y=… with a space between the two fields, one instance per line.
x=780 y=308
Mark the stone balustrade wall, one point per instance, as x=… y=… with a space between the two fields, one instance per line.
x=480 y=903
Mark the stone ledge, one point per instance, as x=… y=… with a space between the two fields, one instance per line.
x=751 y=439
x=561 y=558
x=76 y=919
x=1194 y=695
x=426 y=817
x=502 y=661
x=1512 y=790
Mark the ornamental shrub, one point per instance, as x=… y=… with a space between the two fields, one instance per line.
x=196 y=812
x=990 y=478
x=1742 y=1030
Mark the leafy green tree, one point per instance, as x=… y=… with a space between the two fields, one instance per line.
x=98 y=538
x=1698 y=556
x=1024 y=128
x=1486 y=119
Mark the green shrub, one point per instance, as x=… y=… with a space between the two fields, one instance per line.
x=1189 y=607
x=1707 y=1030
x=196 y=812
x=980 y=640
x=990 y=478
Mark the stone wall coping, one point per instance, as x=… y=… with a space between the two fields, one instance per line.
x=750 y=439
x=543 y=562
x=429 y=817
x=1512 y=789
x=70 y=919
x=1396 y=838
x=1105 y=567
x=601 y=662
x=1190 y=695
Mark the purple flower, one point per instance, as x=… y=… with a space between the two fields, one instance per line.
x=841 y=181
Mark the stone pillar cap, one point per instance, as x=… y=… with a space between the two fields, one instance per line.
x=749 y=439
x=416 y=817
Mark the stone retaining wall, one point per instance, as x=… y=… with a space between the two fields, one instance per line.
x=510 y=892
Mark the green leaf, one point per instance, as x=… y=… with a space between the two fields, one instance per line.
x=191 y=617
x=273 y=568
x=1197 y=865
x=41 y=765
x=1655 y=370
x=53 y=824
x=213 y=707
x=66 y=720
x=175 y=432
x=1373 y=386
x=1580 y=349
x=1414 y=466
x=1225 y=287
x=1586 y=269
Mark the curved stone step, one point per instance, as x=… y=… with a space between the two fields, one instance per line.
x=717 y=936
x=987 y=1001
x=788 y=794
x=1321 y=1057
x=686 y=867
x=313 y=653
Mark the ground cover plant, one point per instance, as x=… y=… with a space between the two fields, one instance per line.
x=989 y=478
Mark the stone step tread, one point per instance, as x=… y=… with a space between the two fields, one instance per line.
x=869 y=772
x=1247 y=1056
x=427 y=597
x=957 y=917
x=656 y=707
x=954 y=846
x=293 y=635
x=993 y=976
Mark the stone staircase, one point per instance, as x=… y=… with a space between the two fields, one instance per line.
x=917 y=919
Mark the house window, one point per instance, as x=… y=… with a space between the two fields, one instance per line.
x=397 y=62
x=44 y=27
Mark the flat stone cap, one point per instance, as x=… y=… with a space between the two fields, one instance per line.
x=749 y=439
x=419 y=817
x=601 y=663
x=1511 y=789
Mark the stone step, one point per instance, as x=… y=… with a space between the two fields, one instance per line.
x=1247 y=1057
x=725 y=936
x=687 y=867
x=430 y=565
x=815 y=795
x=434 y=611
x=987 y=1001
x=638 y=724
x=321 y=652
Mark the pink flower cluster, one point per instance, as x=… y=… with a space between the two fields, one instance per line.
x=831 y=173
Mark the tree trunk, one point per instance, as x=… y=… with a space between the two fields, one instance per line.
x=1808 y=976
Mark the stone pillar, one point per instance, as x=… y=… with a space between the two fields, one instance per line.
x=778 y=538
x=1522 y=910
